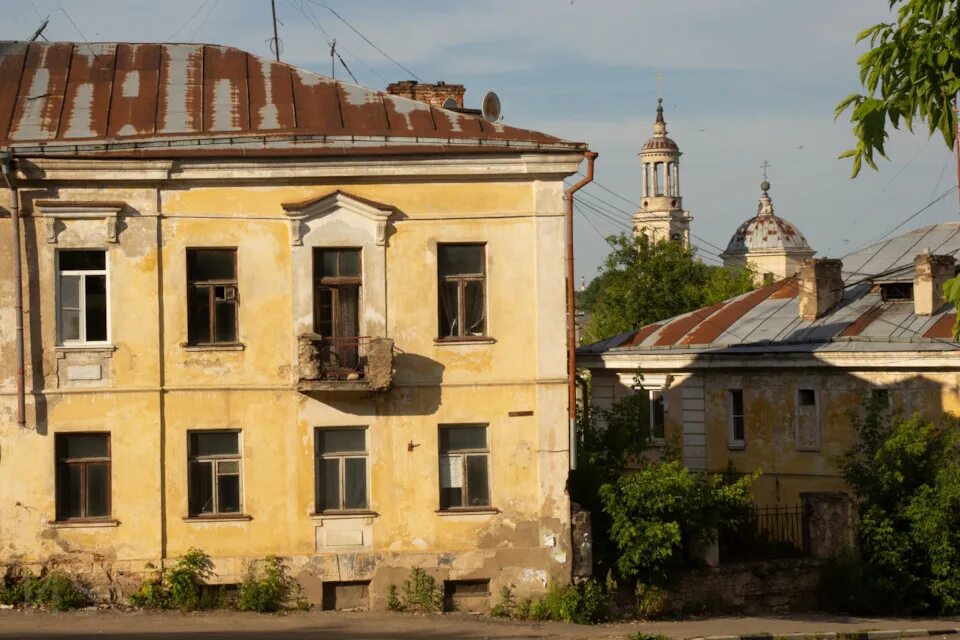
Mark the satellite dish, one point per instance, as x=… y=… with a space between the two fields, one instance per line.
x=490 y=108
x=450 y=103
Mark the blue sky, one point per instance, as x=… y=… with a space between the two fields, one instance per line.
x=744 y=81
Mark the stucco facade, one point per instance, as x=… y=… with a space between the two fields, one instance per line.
x=148 y=386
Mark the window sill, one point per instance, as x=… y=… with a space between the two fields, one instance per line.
x=344 y=515
x=83 y=524
x=478 y=511
x=230 y=517
x=736 y=446
x=657 y=443
x=212 y=347
x=103 y=347
x=465 y=340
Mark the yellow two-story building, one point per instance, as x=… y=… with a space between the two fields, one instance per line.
x=265 y=312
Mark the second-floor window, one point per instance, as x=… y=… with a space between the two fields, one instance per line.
x=336 y=300
x=82 y=301
x=462 y=290
x=212 y=296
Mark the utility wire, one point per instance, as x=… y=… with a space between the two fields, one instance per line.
x=189 y=20
x=203 y=20
x=365 y=38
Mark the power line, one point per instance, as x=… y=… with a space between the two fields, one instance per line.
x=189 y=20
x=203 y=20
x=914 y=214
x=365 y=38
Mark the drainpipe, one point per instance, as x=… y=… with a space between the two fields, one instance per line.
x=6 y=165
x=571 y=311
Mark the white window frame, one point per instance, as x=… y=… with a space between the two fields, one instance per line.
x=732 y=441
x=817 y=421
x=649 y=384
x=655 y=439
x=82 y=273
x=343 y=457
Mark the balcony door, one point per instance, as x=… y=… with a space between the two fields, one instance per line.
x=337 y=283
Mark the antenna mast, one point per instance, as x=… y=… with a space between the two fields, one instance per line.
x=276 y=40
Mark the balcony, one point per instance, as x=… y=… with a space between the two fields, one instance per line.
x=357 y=363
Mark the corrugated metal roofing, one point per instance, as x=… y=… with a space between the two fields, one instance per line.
x=768 y=319
x=176 y=99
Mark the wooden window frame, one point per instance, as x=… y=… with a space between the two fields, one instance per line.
x=464 y=454
x=216 y=459
x=651 y=401
x=733 y=442
x=462 y=281
x=341 y=479
x=82 y=295
x=83 y=463
x=211 y=286
x=332 y=284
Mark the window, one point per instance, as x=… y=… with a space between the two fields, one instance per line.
x=462 y=295
x=214 y=472
x=83 y=476
x=657 y=415
x=737 y=433
x=808 y=420
x=464 y=481
x=336 y=300
x=82 y=307
x=340 y=469
x=211 y=296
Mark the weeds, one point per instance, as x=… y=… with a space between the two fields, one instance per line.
x=178 y=588
x=643 y=635
x=54 y=590
x=267 y=587
x=582 y=604
x=419 y=593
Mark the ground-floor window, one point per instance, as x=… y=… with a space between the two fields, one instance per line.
x=214 y=473
x=464 y=468
x=340 y=469
x=83 y=475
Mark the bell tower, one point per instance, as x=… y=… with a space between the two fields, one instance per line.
x=661 y=215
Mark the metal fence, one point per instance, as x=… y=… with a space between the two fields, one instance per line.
x=765 y=533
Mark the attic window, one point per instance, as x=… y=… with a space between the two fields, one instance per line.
x=896 y=291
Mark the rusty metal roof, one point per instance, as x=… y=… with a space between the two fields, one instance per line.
x=60 y=98
x=768 y=319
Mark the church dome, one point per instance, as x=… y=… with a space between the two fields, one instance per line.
x=767 y=232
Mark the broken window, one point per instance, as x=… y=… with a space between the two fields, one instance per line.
x=83 y=476
x=808 y=420
x=340 y=464
x=214 y=473
x=464 y=477
x=737 y=434
x=462 y=295
x=336 y=302
x=211 y=296
x=82 y=307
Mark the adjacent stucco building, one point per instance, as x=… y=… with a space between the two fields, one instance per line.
x=768 y=380
x=266 y=312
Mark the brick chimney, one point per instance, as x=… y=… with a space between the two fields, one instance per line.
x=434 y=94
x=821 y=286
x=931 y=272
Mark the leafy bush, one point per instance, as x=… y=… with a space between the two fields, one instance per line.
x=54 y=590
x=420 y=593
x=583 y=604
x=906 y=475
x=267 y=587
x=654 y=509
x=651 y=601
x=178 y=587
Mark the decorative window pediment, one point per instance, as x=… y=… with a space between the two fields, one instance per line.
x=58 y=213
x=301 y=213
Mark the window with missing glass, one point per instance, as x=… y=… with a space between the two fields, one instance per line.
x=82 y=476
x=214 y=473
x=212 y=296
x=340 y=463
x=462 y=290
x=737 y=423
x=657 y=414
x=464 y=465
x=336 y=300
x=82 y=301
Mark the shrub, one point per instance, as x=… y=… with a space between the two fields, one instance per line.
x=267 y=587
x=583 y=604
x=651 y=601
x=506 y=606
x=178 y=587
x=54 y=590
x=420 y=592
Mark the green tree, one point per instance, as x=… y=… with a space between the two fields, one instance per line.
x=911 y=72
x=906 y=475
x=643 y=282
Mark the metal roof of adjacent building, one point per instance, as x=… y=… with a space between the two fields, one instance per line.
x=768 y=319
x=194 y=99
